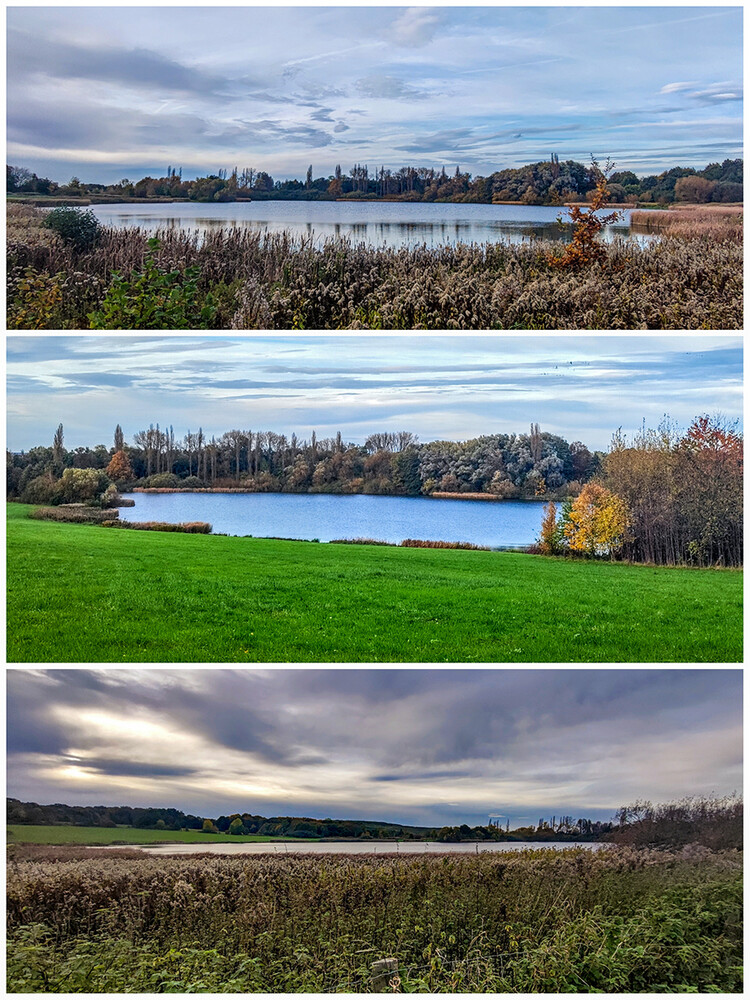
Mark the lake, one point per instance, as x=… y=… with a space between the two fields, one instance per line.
x=354 y=847
x=324 y=516
x=393 y=224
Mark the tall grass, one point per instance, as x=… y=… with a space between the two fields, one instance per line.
x=714 y=222
x=277 y=281
x=540 y=921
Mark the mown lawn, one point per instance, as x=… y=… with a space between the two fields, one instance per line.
x=20 y=833
x=80 y=593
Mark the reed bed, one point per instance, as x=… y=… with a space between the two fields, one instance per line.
x=714 y=222
x=278 y=281
x=538 y=921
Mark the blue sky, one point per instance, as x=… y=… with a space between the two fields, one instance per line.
x=449 y=387
x=413 y=746
x=107 y=92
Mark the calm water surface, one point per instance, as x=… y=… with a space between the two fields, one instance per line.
x=375 y=223
x=354 y=847
x=322 y=516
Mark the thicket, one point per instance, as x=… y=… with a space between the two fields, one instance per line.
x=666 y=497
x=237 y=279
x=614 y=920
x=713 y=822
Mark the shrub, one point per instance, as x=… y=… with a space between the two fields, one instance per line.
x=191 y=483
x=162 y=480
x=418 y=543
x=82 y=485
x=75 y=514
x=155 y=299
x=40 y=490
x=75 y=227
x=187 y=527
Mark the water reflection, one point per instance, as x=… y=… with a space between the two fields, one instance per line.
x=374 y=223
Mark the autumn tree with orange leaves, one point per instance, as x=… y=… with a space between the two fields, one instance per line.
x=119 y=469
x=584 y=248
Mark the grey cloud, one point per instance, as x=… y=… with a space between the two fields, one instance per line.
x=141 y=68
x=133 y=769
x=341 y=127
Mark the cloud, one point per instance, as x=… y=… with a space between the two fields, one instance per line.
x=392 y=88
x=140 y=68
x=401 y=743
x=674 y=88
x=415 y=27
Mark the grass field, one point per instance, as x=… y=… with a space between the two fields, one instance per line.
x=80 y=593
x=613 y=921
x=20 y=833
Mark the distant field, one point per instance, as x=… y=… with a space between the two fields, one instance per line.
x=80 y=593
x=23 y=834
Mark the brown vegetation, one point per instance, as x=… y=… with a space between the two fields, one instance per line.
x=712 y=822
x=75 y=514
x=716 y=222
x=276 y=281
x=418 y=543
x=186 y=527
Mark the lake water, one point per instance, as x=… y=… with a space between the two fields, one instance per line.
x=354 y=847
x=323 y=516
x=375 y=223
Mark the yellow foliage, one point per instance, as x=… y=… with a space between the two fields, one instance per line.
x=597 y=522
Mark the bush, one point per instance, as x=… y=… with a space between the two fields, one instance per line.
x=155 y=299
x=75 y=227
x=39 y=490
x=75 y=514
x=191 y=483
x=419 y=543
x=186 y=528
x=167 y=480
x=82 y=485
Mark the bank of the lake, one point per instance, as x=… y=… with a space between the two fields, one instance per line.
x=81 y=593
x=328 y=847
x=325 y=516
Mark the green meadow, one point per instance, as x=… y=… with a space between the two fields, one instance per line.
x=91 y=835
x=82 y=593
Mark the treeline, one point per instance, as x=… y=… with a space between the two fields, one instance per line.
x=665 y=497
x=507 y=466
x=561 y=828
x=708 y=820
x=547 y=182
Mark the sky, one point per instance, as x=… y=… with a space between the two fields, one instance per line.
x=438 y=387
x=427 y=747
x=110 y=92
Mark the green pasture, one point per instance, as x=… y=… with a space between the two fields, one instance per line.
x=82 y=593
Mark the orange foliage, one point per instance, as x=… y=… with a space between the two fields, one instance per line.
x=584 y=248
x=596 y=523
x=119 y=469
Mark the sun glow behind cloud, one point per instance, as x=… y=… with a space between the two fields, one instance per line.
x=408 y=745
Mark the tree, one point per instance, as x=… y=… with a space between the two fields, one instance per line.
x=57 y=446
x=596 y=522
x=119 y=469
x=236 y=827
x=208 y=826
x=549 y=538
x=119 y=439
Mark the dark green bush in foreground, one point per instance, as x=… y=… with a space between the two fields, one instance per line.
x=75 y=227
x=617 y=920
